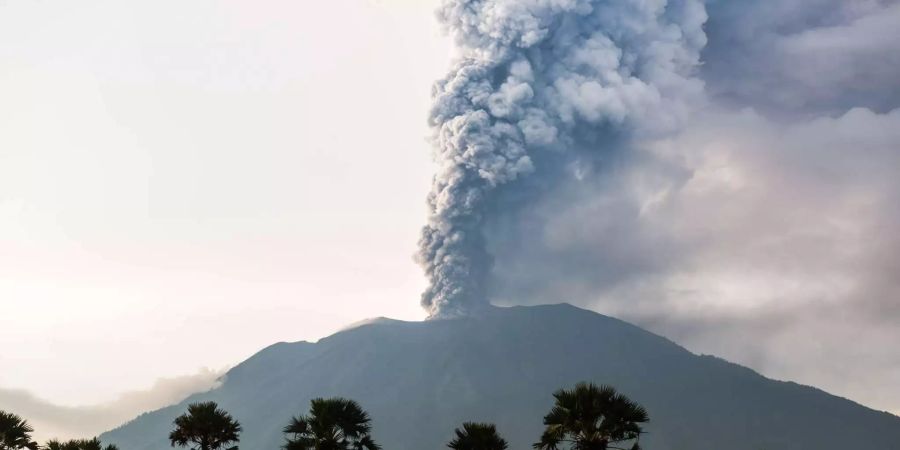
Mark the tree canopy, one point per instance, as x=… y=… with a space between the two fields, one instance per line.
x=15 y=433
x=79 y=444
x=205 y=427
x=477 y=436
x=591 y=417
x=332 y=424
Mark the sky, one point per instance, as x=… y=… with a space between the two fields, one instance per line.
x=184 y=183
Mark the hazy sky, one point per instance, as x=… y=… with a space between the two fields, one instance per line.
x=185 y=182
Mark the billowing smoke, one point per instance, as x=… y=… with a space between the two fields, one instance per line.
x=544 y=91
x=762 y=229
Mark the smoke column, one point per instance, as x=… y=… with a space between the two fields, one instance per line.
x=542 y=89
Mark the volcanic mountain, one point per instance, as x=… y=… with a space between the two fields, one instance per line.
x=420 y=380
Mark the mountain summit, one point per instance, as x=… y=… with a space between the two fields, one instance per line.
x=420 y=380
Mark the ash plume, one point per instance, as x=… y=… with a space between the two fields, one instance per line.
x=543 y=90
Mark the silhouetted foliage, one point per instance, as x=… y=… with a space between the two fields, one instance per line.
x=591 y=417
x=332 y=424
x=79 y=444
x=15 y=433
x=477 y=436
x=205 y=427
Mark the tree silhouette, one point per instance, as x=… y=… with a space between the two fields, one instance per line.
x=15 y=433
x=332 y=424
x=79 y=444
x=205 y=427
x=477 y=436
x=592 y=417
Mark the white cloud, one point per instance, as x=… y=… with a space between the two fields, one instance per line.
x=51 y=420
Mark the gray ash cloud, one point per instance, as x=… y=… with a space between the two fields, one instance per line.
x=544 y=91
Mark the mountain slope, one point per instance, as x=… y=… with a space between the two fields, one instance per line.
x=419 y=380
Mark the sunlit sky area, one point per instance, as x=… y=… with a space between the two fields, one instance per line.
x=183 y=183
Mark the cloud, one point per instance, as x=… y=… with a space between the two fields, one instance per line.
x=737 y=192
x=67 y=422
x=804 y=56
x=770 y=243
x=540 y=86
x=760 y=225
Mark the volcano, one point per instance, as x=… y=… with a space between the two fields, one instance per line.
x=420 y=380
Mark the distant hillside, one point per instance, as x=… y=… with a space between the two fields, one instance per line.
x=419 y=380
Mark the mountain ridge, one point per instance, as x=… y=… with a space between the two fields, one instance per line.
x=419 y=380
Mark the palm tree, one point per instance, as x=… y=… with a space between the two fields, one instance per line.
x=332 y=424
x=79 y=444
x=205 y=427
x=592 y=417
x=477 y=436
x=15 y=433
